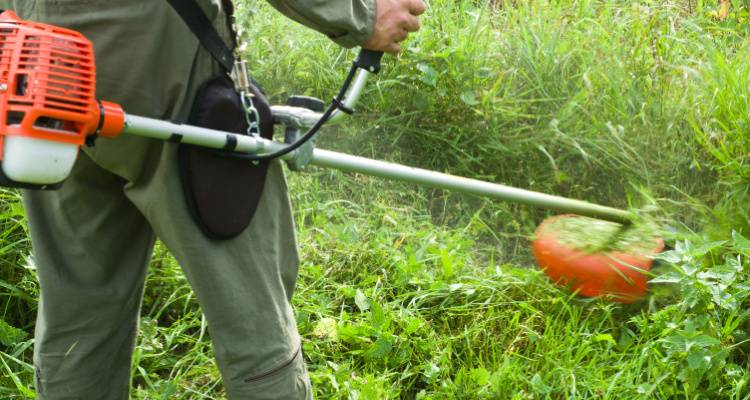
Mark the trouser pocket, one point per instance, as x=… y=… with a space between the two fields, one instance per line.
x=288 y=380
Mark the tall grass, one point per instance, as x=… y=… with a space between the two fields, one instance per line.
x=585 y=99
x=415 y=293
x=555 y=96
x=723 y=130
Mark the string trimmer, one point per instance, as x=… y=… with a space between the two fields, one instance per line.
x=48 y=110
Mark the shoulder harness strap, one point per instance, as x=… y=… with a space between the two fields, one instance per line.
x=201 y=26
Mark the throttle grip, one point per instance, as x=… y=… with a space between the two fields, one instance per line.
x=369 y=60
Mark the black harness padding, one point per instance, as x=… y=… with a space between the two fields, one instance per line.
x=222 y=191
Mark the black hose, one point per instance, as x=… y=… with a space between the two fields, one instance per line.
x=337 y=103
x=368 y=60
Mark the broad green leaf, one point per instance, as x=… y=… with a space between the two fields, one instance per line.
x=699 y=360
x=669 y=277
x=605 y=337
x=740 y=243
x=672 y=257
x=362 y=302
x=382 y=346
x=431 y=372
x=378 y=317
x=480 y=376
x=412 y=325
x=469 y=98
x=705 y=341
x=10 y=335
x=674 y=343
x=682 y=342
x=538 y=385
x=706 y=248
x=353 y=333
x=429 y=75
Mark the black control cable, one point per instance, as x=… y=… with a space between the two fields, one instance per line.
x=369 y=61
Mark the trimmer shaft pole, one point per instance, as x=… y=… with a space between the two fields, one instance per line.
x=164 y=130
x=366 y=166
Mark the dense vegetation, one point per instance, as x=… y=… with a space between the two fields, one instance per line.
x=413 y=293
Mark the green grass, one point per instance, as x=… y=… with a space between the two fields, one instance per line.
x=408 y=292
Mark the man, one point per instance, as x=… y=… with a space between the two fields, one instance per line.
x=93 y=238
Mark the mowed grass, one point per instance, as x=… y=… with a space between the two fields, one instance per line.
x=414 y=293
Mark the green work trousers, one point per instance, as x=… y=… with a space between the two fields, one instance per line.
x=93 y=239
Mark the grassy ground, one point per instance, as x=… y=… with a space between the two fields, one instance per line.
x=416 y=293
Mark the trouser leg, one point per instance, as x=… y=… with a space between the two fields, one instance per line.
x=151 y=63
x=244 y=285
x=91 y=249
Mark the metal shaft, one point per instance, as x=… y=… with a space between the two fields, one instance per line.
x=392 y=171
x=164 y=130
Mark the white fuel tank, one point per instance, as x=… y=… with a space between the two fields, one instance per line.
x=36 y=161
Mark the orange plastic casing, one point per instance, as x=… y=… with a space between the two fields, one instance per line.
x=48 y=84
x=619 y=276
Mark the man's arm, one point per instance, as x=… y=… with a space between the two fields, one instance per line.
x=375 y=24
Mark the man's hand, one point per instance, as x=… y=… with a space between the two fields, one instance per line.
x=393 y=22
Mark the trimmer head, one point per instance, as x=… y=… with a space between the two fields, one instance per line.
x=48 y=102
x=597 y=258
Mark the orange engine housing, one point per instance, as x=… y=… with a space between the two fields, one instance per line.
x=48 y=106
x=48 y=84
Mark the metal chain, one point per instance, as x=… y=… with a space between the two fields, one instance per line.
x=242 y=85
x=251 y=113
